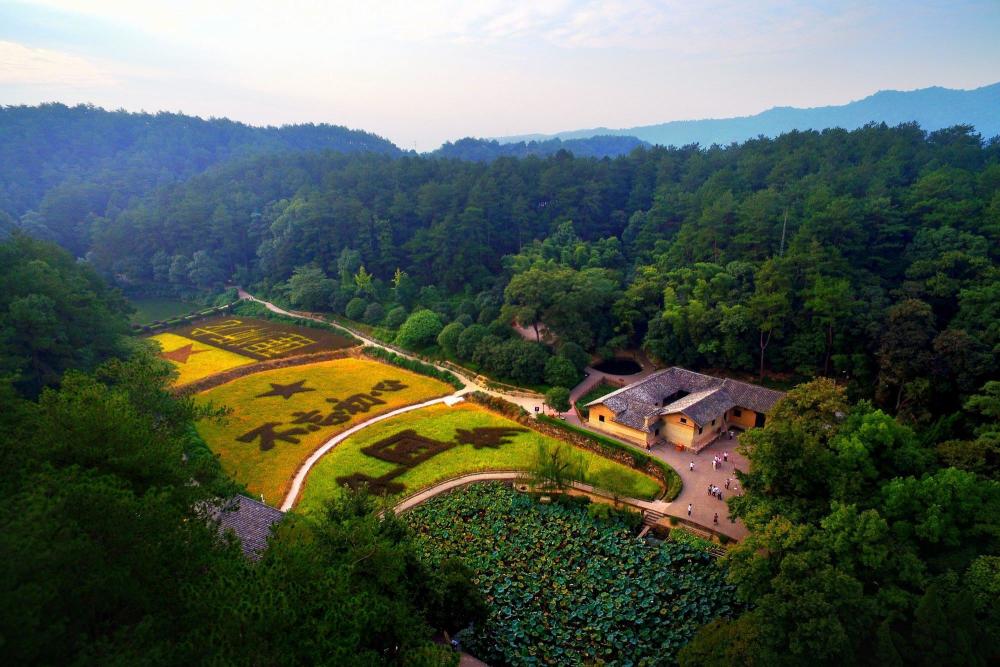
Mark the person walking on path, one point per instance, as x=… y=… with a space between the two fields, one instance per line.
x=711 y=490
x=691 y=466
x=689 y=508
x=725 y=456
x=716 y=519
x=728 y=480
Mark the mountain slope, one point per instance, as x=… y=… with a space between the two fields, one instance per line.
x=65 y=162
x=933 y=108
x=486 y=150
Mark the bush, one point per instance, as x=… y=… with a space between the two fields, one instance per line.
x=464 y=320
x=469 y=340
x=355 y=309
x=374 y=313
x=448 y=338
x=599 y=511
x=419 y=330
x=557 y=398
x=395 y=317
x=527 y=361
x=575 y=354
x=560 y=372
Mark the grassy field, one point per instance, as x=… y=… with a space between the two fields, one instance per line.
x=323 y=399
x=441 y=423
x=156 y=308
x=195 y=360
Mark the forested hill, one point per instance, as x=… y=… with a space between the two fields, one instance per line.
x=67 y=163
x=933 y=108
x=484 y=150
x=870 y=255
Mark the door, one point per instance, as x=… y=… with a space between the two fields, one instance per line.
x=759 y=421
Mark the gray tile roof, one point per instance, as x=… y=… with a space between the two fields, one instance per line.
x=707 y=397
x=251 y=520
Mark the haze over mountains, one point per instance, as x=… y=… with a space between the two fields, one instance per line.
x=933 y=108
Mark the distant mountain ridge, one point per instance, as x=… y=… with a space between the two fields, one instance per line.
x=486 y=150
x=42 y=147
x=933 y=108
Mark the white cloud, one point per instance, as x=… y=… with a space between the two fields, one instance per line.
x=20 y=64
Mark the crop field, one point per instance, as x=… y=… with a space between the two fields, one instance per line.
x=420 y=448
x=281 y=416
x=566 y=588
x=195 y=360
x=262 y=339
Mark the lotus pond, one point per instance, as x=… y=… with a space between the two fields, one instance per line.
x=565 y=588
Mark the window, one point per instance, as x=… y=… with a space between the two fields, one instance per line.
x=600 y=418
x=713 y=422
x=656 y=431
x=684 y=421
x=699 y=430
x=737 y=412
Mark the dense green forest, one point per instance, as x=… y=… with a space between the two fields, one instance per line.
x=484 y=150
x=865 y=257
x=109 y=557
x=869 y=256
x=61 y=165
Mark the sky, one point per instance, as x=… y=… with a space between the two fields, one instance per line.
x=421 y=72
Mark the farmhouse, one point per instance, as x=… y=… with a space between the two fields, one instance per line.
x=682 y=408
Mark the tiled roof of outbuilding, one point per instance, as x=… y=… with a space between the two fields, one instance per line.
x=251 y=520
x=707 y=397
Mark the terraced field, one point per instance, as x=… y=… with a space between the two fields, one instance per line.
x=195 y=360
x=418 y=449
x=281 y=416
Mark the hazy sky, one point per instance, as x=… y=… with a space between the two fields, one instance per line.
x=424 y=71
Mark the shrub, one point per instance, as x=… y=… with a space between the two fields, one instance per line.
x=355 y=309
x=527 y=361
x=374 y=313
x=468 y=340
x=557 y=398
x=575 y=354
x=448 y=338
x=464 y=320
x=599 y=511
x=395 y=317
x=560 y=372
x=419 y=330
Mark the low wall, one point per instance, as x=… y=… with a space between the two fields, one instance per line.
x=212 y=381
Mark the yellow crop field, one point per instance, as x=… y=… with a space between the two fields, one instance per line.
x=196 y=360
x=281 y=416
x=418 y=449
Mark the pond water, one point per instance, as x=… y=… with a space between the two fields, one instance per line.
x=619 y=366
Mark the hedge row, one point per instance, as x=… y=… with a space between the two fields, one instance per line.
x=414 y=365
x=609 y=449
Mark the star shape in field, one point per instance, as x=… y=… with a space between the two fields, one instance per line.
x=286 y=391
x=181 y=354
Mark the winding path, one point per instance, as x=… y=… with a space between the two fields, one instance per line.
x=704 y=507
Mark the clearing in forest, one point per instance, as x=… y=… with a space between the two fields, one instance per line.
x=418 y=449
x=281 y=416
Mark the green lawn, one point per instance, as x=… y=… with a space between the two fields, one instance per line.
x=441 y=423
x=153 y=308
x=595 y=392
